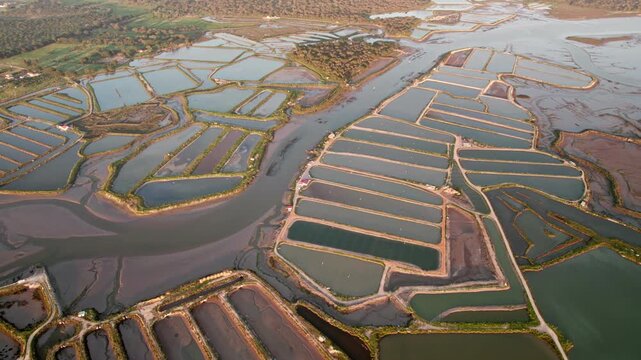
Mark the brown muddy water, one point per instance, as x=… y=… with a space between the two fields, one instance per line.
x=99 y=256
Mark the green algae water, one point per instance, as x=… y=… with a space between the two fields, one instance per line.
x=593 y=299
x=465 y=346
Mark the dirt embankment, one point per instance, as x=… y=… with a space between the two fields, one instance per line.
x=614 y=157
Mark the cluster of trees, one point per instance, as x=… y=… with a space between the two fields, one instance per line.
x=139 y=119
x=127 y=41
x=343 y=59
x=30 y=27
x=401 y=26
x=618 y=5
x=324 y=9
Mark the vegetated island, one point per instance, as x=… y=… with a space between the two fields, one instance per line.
x=616 y=5
x=399 y=26
x=343 y=59
x=319 y=9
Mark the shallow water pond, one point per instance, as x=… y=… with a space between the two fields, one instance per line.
x=179 y=163
x=39 y=136
x=133 y=340
x=370 y=201
x=209 y=54
x=478 y=59
x=29 y=111
x=169 y=80
x=137 y=168
x=519 y=168
x=221 y=331
x=386 y=168
x=240 y=160
x=271 y=105
x=108 y=143
x=249 y=69
x=313 y=233
x=375 y=184
x=247 y=123
x=592 y=298
x=409 y=157
x=20 y=143
x=451 y=89
x=120 y=92
x=53 y=175
x=369 y=221
x=429 y=306
x=250 y=105
x=221 y=101
x=481 y=136
x=399 y=141
x=176 y=340
x=410 y=105
x=165 y=193
x=402 y=128
x=55 y=108
x=465 y=347
x=566 y=188
x=343 y=275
